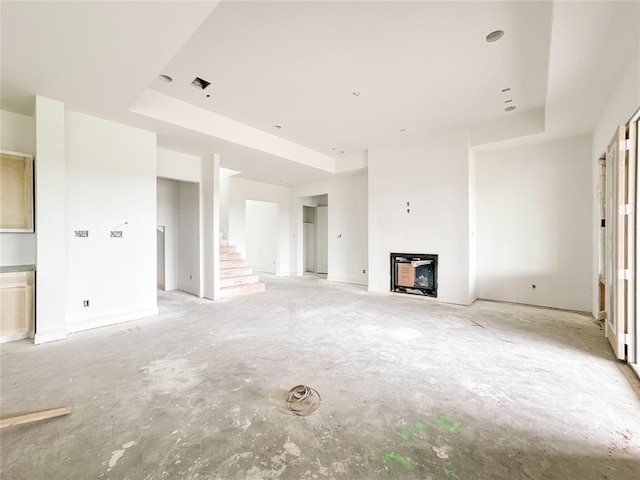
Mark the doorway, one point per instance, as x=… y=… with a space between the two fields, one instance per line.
x=315 y=241
x=178 y=236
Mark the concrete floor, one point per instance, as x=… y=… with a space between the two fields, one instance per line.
x=412 y=389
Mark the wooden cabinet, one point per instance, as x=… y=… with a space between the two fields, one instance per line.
x=16 y=305
x=16 y=192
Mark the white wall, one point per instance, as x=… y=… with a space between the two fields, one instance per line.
x=262 y=235
x=111 y=179
x=17 y=134
x=433 y=175
x=240 y=191
x=347 y=227
x=179 y=166
x=189 y=237
x=225 y=175
x=621 y=106
x=534 y=224
x=168 y=217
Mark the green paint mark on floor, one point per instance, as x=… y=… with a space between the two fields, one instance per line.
x=418 y=425
x=404 y=435
x=451 y=473
x=448 y=424
x=405 y=462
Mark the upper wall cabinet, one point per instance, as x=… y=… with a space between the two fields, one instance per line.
x=16 y=192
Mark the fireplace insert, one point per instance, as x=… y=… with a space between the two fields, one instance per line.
x=414 y=273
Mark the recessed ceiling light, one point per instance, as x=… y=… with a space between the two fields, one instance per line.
x=495 y=36
x=355 y=94
x=333 y=148
x=510 y=109
x=506 y=89
x=165 y=78
x=200 y=83
x=403 y=129
x=341 y=151
x=278 y=127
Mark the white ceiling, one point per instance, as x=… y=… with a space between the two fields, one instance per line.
x=418 y=66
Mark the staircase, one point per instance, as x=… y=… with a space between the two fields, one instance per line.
x=235 y=277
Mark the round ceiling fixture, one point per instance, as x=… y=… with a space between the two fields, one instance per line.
x=510 y=109
x=165 y=78
x=278 y=127
x=495 y=36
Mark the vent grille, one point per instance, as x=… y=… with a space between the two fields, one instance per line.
x=200 y=83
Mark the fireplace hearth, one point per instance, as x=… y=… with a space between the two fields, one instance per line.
x=414 y=273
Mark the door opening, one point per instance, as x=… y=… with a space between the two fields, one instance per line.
x=315 y=235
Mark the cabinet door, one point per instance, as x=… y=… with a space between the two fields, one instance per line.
x=16 y=305
x=16 y=192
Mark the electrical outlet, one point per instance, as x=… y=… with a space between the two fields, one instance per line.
x=85 y=303
x=364 y=271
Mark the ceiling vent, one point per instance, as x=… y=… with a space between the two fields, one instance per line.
x=200 y=83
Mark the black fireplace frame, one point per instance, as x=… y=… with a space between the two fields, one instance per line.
x=396 y=258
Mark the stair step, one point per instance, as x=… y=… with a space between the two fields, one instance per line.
x=235 y=272
x=230 y=256
x=239 y=262
x=242 y=290
x=227 y=248
x=239 y=280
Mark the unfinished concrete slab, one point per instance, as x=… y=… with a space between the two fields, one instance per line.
x=411 y=389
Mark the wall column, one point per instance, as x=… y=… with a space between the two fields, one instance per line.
x=51 y=221
x=210 y=228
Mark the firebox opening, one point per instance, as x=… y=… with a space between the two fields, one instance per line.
x=414 y=273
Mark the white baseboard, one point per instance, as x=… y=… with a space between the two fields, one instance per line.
x=109 y=320
x=50 y=336
x=263 y=270
x=355 y=281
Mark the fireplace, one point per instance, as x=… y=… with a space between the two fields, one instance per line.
x=414 y=273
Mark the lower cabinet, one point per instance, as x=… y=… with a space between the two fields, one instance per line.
x=16 y=305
